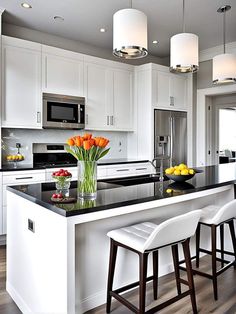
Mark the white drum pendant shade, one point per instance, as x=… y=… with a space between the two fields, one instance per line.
x=184 y=53
x=224 y=68
x=130 y=34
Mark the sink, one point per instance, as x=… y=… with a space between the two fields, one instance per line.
x=134 y=180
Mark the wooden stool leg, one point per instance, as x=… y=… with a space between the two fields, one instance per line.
x=112 y=262
x=213 y=249
x=222 y=243
x=155 y=274
x=198 y=231
x=232 y=232
x=175 y=254
x=189 y=274
x=143 y=258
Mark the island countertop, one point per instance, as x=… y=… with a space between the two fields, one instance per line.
x=114 y=196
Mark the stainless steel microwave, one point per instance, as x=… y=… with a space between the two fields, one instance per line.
x=63 y=112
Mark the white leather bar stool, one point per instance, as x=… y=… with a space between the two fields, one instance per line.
x=214 y=217
x=145 y=238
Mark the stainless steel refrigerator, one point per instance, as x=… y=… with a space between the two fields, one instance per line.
x=170 y=137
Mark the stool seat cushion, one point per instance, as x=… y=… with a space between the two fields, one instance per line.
x=133 y=236
x=208 y=213
x=148 y=236
x=214 y=215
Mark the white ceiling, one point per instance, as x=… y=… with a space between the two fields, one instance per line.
x=84 y=18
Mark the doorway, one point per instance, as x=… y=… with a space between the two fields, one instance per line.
x=221 y=130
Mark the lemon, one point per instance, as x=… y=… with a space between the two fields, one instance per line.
x=191 y=171
x=169 y=191
x=177 y=172
x=169 y=170
x=184 y=172
x=182 y=166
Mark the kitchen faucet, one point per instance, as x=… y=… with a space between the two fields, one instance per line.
x=161 y=158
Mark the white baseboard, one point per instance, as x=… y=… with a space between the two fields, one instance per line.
x=17 y=299
x=99 y=298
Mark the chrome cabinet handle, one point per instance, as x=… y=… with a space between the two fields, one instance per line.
x=108 y=120
x=172 y=101
x=118 y=170
x=24 y=178
x=112 y=120
x=38 y=117
x=141 y=169
x=86 y=118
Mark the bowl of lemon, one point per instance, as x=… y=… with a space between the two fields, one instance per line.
x=180 y=173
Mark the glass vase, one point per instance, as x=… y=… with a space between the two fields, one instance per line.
x=62 y=185
x=87 y=179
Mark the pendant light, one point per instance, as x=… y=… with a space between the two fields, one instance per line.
x=184 y=51
x=224 y=65
x=130 y=34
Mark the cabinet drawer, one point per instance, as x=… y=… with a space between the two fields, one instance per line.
x=24 y=177
x=120 y=172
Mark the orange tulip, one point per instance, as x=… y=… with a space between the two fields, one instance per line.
x=87 y=136
x=92 y=141
x=87 y=145
x=71 y=142
x=78 y=141
x=103 y=142
x=97 y=139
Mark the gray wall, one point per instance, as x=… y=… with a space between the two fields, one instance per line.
x=118 y=141
x=204 y=75
x=68 y=44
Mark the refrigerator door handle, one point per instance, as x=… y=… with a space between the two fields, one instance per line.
x=171 y=139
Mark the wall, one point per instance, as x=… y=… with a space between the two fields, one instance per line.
x=118 y=141
x=204 y=75
x=64 y=43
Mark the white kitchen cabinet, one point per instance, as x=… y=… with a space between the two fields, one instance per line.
x=171 y=91
x=122 y=100
x=62 y=71
x=96 y=86
x=21 y=84
x=17 y=178
x=108 y=92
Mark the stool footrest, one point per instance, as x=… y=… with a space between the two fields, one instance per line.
x=124 y=301
x=168 y=302
x=131 y=285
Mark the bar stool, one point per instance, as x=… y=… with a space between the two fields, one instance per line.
x=214 y=217
x=148 y=237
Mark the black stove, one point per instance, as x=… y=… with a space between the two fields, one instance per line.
x=52 y=155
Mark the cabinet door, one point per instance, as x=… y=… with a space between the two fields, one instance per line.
x=96 y=96
x=163 y=90
x=21 y=90
x=178 y=91
x=62 y=75
x=122 y=119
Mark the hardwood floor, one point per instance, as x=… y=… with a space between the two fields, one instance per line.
x=167 y=288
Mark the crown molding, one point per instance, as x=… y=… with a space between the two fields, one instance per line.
x=208 y=54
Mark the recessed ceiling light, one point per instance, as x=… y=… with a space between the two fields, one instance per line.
x=103 y=30
x=26 y=5
x=58 y=18
x=155 y=42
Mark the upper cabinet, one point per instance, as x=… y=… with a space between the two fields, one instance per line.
x=62 y=71
x=21 y=83
x=171 y=91
x=108 y=93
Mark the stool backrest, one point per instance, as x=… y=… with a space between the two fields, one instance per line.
x=173 y=230
x=226 y=212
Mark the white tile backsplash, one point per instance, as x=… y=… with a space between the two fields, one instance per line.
x=118 y=141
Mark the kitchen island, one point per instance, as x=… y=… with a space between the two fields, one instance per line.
x=57 y=255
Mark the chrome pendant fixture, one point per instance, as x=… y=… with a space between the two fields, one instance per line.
x=224 y=65
x=130 y=34
x=184 y=51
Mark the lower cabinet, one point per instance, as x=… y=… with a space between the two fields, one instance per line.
x=17 y=178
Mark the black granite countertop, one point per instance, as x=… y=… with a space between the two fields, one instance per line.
x=102 y=162
x=113 y=196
